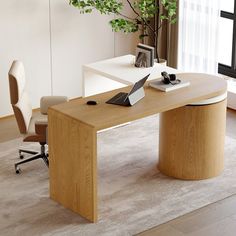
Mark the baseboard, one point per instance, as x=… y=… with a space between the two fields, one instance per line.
x=34 y=110
x=12 y=115
x=6 y=117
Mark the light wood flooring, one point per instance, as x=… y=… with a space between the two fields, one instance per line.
x=216 y=219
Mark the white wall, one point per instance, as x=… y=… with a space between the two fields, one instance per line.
x=53 y=40
x=126 y=42
x=76 y=39
x=24 y=27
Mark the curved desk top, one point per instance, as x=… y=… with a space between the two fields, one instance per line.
x=101 y=116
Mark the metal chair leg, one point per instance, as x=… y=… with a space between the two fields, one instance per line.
x=26 y=151
x=36 y=156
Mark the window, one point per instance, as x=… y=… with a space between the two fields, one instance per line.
x=198 y=36
x=227 y=38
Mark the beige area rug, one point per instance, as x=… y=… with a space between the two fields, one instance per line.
x=133 y=195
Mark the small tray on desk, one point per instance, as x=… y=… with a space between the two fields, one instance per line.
x=158 y=84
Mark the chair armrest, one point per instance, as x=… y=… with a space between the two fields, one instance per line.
x=48 y=101
x=40 y=127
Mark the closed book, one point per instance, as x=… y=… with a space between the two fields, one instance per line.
x=158 y=84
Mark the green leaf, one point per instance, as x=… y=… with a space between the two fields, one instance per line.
x=123 y=25
x=103 y=6
x=145 y=11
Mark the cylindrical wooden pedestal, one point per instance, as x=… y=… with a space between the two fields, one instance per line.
x=191 y=144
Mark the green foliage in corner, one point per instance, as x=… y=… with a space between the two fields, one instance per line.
x=144 y=12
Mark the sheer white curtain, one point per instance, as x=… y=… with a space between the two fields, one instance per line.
x=198 y=35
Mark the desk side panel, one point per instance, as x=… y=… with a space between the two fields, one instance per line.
x=73 y=164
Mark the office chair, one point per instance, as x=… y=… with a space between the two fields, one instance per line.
x=32 y=127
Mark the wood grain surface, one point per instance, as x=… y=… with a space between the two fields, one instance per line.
x=191 y=141
x=73 y=164
x=72 y=135
x=107 y=115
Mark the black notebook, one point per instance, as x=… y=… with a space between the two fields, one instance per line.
x=123 y=98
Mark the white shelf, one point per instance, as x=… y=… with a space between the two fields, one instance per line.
x=117 y=72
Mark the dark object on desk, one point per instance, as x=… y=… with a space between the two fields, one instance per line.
x=129 y=99
x=168 y=83
x=91 y=102
x=169 y=78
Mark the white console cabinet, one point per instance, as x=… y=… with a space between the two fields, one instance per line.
x=106 y=75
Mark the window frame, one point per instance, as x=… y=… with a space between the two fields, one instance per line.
x=226 y=69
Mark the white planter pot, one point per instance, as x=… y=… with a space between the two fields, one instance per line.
x=161 y=61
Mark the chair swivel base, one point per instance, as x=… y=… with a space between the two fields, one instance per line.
x=36 y=155
x=26 y=151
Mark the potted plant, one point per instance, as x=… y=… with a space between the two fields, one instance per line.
x=149 y=16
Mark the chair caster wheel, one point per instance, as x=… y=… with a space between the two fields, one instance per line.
x=18 y=170
x=21 y=155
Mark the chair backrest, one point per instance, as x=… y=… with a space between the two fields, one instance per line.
x=19 y=98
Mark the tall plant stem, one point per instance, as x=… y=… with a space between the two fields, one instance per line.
x=131 y=6
x=154 y=30
x=157 y=27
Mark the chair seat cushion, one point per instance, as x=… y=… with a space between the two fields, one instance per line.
x=31 y=135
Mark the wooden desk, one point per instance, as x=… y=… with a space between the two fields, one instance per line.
x=73 y=139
